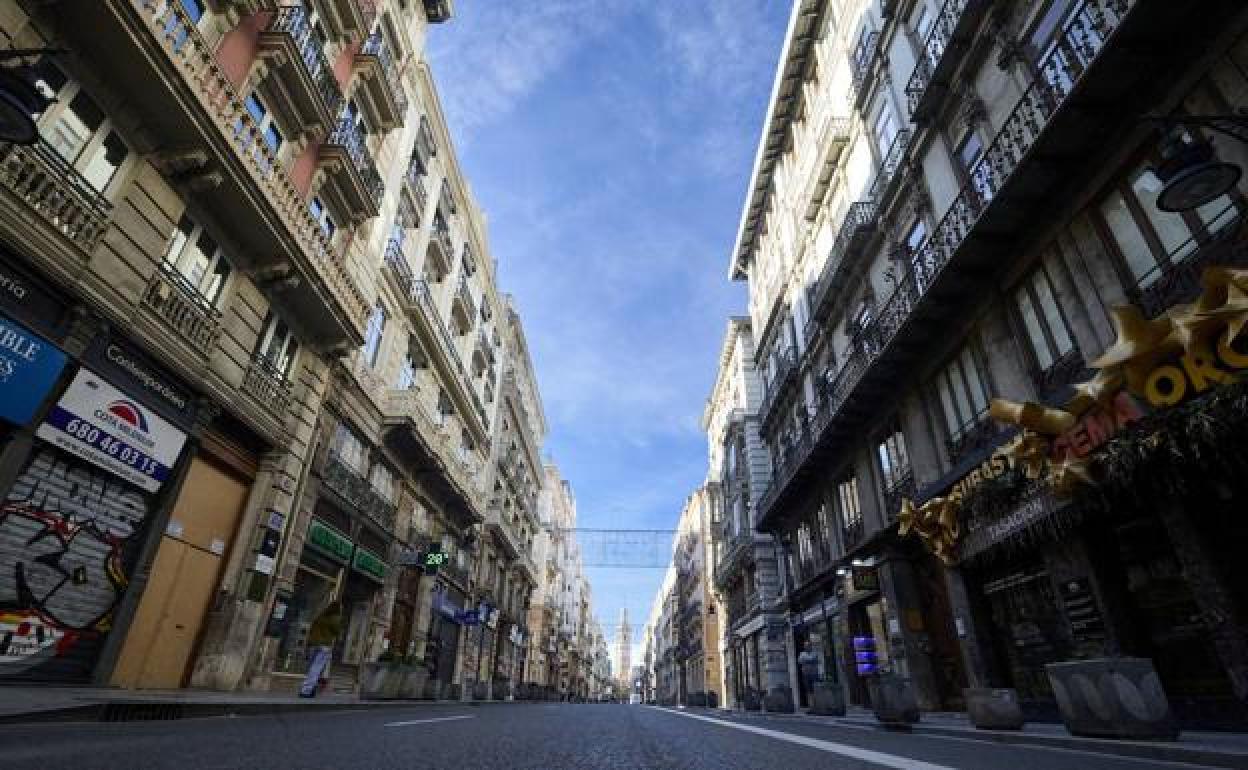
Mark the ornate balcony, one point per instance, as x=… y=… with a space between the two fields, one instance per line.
x=347 y=18
x=414 y=179
x=830 y=142
x=463 y=307
x=357 y=185
x=183 y=309
x=861 y=64
x=778 y=385
x=381 y=89
x=56 y=194
x=504 y=533
x=460 y=471
x=902 y=489
x=996 y=200
x=422 y=308
x=210 y=143
x=949 y=37
x=441 y=252
x=356 y=490
x=269 y=388
x=842 y=261
x=305 y=90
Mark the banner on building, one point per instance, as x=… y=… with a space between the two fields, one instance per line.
x=29 y=367
x=104 y=426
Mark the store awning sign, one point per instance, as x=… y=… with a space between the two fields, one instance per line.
x=369 y=564
x=330 y=541
x=105 y=426
x=29 y=367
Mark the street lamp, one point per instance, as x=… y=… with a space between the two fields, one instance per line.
x=1190 y=174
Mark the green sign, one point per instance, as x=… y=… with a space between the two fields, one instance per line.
x=330 y=541
x=370 y=564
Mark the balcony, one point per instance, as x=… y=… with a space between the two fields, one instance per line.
x=210 y=144
x=183 y=310
x=1177 y=282
x=346 y=18
x=778 y=386
x=1042 y=152
x=357 y=187
x=381 y=92
x=861 y=64
x=732 y=560
x=463 y=307
x=842 y=263
x=441 y=249
x=269 y=388
x=882 y=185
x=58 y=197
x=421 y=307
x=414 y=179
x=504 y=533
x=949 y=38
x=400 y=273
x=831 y=139
x=305 y=90
x=356 y=490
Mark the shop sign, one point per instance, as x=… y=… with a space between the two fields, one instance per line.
x=131 y=367
x=29 y=367
x=370 y=564
x=989 y=533
x=269 y=542
x=330 y=541
x=24 y=298
x=104 y=426
x=865 y=578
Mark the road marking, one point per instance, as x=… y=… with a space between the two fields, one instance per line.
x=427 y=721
x=866 y=755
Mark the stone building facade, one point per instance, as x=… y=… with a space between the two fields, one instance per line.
x=955 y=202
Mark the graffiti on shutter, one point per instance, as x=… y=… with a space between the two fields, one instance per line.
x=69 y=537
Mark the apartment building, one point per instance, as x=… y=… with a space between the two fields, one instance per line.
x=700 y=680
x=960 y=201
x=744 y=568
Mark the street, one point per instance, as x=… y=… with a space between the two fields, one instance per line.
x=543 y=736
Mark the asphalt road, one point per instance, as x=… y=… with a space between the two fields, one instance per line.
x=524 y=735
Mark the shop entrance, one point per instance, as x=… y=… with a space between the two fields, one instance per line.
x=868 y=650
x=158 y=649
x=937 y=614
x=1027 y=628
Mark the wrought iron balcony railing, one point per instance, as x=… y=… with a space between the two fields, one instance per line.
x=883 y=183
x=423 y=298
x=786 y=369
x=180 y=305
x=442 y=237
x=268 y=387
x=861 y=63
x=953 y=14
x=415 y=178
x=1174 y=282
x=376 y=46
x=58 y=194
x=1081 y=39
x=356 y=490
x=901 y=489
x=293 y=20
x=855 y=230
x=347 y=136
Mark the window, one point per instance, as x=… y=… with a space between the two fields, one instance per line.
x=885 y=130
x=197 y=258
x=850 y=510
x=77 y=128
x=963 y=394
x=322 y=216
x=891 y=454
x=349 y=448
x=969 y=153
x=263 y=118
x=407 y=373
x=278 y=346
x=382 y=479
x=373 y=334
x=913 y=245
x=1149 y=240
x=921 y=24
x=1048 y=334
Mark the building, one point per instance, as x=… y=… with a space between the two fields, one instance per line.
x=744 y=572
x=261 y=319
x=700 y=674
x=624 y=648
x=955 y=202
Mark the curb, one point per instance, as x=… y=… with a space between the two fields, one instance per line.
x=166 y=710
x=1171 y=752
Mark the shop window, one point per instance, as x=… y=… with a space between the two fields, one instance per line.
x=962 y=393
x=1048 y=334
x=349 y=448
x=1150 y=241
x=77 y=128
x=195 y=257
x=373 y=334
x=850 y=509
x=278 y=347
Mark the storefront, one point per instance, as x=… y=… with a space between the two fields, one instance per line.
x=816 y=648
x=442 y=648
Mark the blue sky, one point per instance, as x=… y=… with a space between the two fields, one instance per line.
x=609 y=143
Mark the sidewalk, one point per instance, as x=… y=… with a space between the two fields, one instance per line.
x=52 y=704
x=1218 y=749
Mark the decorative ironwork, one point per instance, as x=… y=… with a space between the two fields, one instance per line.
x=268 y=387
x=1174 y=282
x=1083 y=37
x=415 y=177
x=984 y=433
x=376 y=47
x=1065 y=371
x=903 y=489
x=786 y=368
x=357 y=491
x=861 y=63
x=859 y=223
x=883 y=183
x=467 y=307
x=180 y=305
x=61 y=196
x=934 y=48
x=347 y=136
x=293 y=20
x=178 y=35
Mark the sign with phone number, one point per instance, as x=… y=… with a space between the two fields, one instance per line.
x=102 y=425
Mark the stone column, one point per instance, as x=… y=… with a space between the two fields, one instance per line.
x=909 y=643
